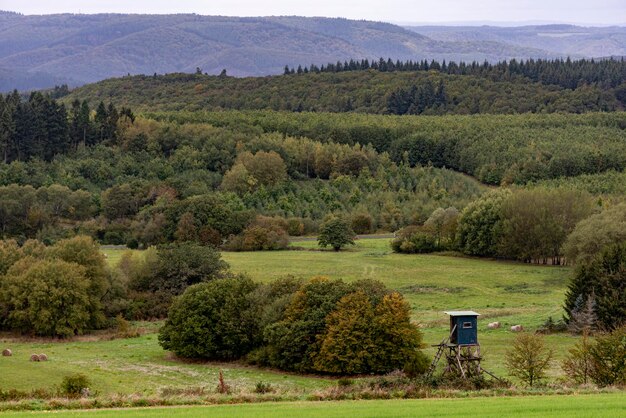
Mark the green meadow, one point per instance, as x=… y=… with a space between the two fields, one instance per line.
x=508 y=292
x=588 y=406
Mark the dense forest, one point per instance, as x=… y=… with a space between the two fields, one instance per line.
x=245 y=180
x=134 y=183
x=386 y=87
x=494 y=149
x=41 y=128
x=569 y=74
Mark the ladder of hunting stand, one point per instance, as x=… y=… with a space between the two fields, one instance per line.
x=442 y=348
x=433 y=365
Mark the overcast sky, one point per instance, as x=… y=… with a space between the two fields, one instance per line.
x=574 y=11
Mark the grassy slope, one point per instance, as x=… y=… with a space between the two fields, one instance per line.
x=431 y=283
x=605 y=406
x=512 y=293
x=137 y=365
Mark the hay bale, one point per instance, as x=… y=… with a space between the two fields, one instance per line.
x=7 y=352
x=43 y=357
x=34 y=357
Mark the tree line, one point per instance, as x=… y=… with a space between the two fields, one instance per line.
x=41 y=127
x=568 y=73
x=350 y=91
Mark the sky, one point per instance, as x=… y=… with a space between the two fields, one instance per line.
x=597 y=12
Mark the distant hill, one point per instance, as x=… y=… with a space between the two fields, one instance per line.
x=367 y=91
x=570 y=40
x=77 y=49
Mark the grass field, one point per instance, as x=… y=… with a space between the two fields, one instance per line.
x=135 y=365
x=601 y=406
x=508 y=292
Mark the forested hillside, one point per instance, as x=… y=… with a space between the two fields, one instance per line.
x=112 y=161
x=384 y=86
x=496 y=149
x=86 y=48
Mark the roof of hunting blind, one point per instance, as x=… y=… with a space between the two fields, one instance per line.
x=462 y=313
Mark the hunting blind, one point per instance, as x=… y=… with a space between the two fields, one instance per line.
x=461 y=347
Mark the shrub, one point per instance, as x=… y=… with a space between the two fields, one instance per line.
x=608 y=355
x=528 y=358
x=222 y=386
x=264 y=233
x=257 y=238
x=361 y=223
x=295 y=227
x=413 y=240
x=74 y=385
x=263 y=387
x=174 y=267
x=578 y=365
x=212 y=320
x=124 y=328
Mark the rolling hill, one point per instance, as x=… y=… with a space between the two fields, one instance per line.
x=561 y=39
x=78 y=49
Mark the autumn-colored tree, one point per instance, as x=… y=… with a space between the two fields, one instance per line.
x=238 y=179
x=578 y=365
x=528 y=358
x=187 y=229
x=347 y=346
x=292 y=342
x=397 y=341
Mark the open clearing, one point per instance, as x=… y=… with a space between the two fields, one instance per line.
x=604 y=405
x=502 y=291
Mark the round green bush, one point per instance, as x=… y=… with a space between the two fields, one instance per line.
x=212 y=320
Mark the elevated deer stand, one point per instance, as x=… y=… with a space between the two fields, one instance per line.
x=461 y=348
